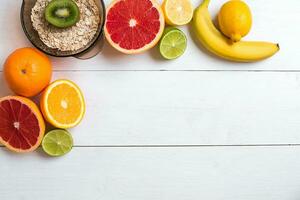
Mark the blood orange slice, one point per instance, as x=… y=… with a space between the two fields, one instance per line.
x=134 y=26
x=22 y=126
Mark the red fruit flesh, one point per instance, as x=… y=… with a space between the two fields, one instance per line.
x=133 y=24
x=19 y=127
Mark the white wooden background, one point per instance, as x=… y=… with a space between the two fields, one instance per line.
x=194 y=128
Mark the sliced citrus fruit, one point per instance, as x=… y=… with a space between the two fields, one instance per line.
x=22 y=126
x=134 y=26
x=62 y=104
x=177 y=12
x=57 y=142
x=173 y=43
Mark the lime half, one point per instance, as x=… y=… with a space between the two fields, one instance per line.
x=173 y=43
x=57 y=142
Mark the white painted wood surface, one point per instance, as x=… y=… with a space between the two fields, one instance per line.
x=179 y=108
x=194 y=128
x=274 y=20
x=248 y=173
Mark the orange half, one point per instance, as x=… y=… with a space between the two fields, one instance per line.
x=62 y=104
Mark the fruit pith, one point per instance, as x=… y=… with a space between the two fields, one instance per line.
x=62 y=104
x=177 y=12
x=21 y=124
x=133 y=26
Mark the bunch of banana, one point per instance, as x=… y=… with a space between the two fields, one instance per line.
x=214 y=41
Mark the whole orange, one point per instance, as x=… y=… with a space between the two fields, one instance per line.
x=27 y=71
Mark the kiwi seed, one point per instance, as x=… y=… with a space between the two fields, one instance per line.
x=62 y=13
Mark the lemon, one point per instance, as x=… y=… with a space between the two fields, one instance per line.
x=177 y=12
x=235 y=19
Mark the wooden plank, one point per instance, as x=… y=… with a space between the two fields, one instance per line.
x=272 y=22
x=250 y=173
x=171 y=108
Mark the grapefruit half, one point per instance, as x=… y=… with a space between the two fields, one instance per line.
x=22 y=126
x=134 y=26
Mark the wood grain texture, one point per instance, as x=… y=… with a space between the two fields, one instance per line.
x=252 y=173
x=171 y=108
x=144 y=102
x=273 y=21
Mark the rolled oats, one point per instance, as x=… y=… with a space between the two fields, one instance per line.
x=72 y=38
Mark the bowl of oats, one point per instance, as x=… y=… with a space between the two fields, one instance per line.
x=64 y=28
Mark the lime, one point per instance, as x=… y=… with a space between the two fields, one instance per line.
x=173 y=43
x=57 y=142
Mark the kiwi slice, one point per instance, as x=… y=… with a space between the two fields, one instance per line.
x=62 y=13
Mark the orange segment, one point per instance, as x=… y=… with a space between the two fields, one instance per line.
x=63 y=104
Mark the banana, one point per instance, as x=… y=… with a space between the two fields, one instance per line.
x=214 y=41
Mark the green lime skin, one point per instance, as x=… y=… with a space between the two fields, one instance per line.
x=173 y=43
x=62 y=13
x=57 y=142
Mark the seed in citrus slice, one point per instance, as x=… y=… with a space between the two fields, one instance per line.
x=173 y=43
x=62 y=104
x=57 y=142
x=177 y=12
x=134 y=26
x=22 y=126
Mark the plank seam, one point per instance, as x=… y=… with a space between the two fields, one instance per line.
x=182 y=146
x=163 y=70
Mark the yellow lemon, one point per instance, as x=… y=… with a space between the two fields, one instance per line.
x=235 y=19
x=177 y=12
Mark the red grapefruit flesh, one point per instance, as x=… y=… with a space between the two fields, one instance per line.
x=134 y=26
x=22 y=126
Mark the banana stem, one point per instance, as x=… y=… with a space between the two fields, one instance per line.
x=205 y=3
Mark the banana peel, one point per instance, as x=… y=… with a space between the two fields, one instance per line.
x=214 y=41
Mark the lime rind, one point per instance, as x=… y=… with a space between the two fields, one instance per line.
x=57 y=142
x=173 y=43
